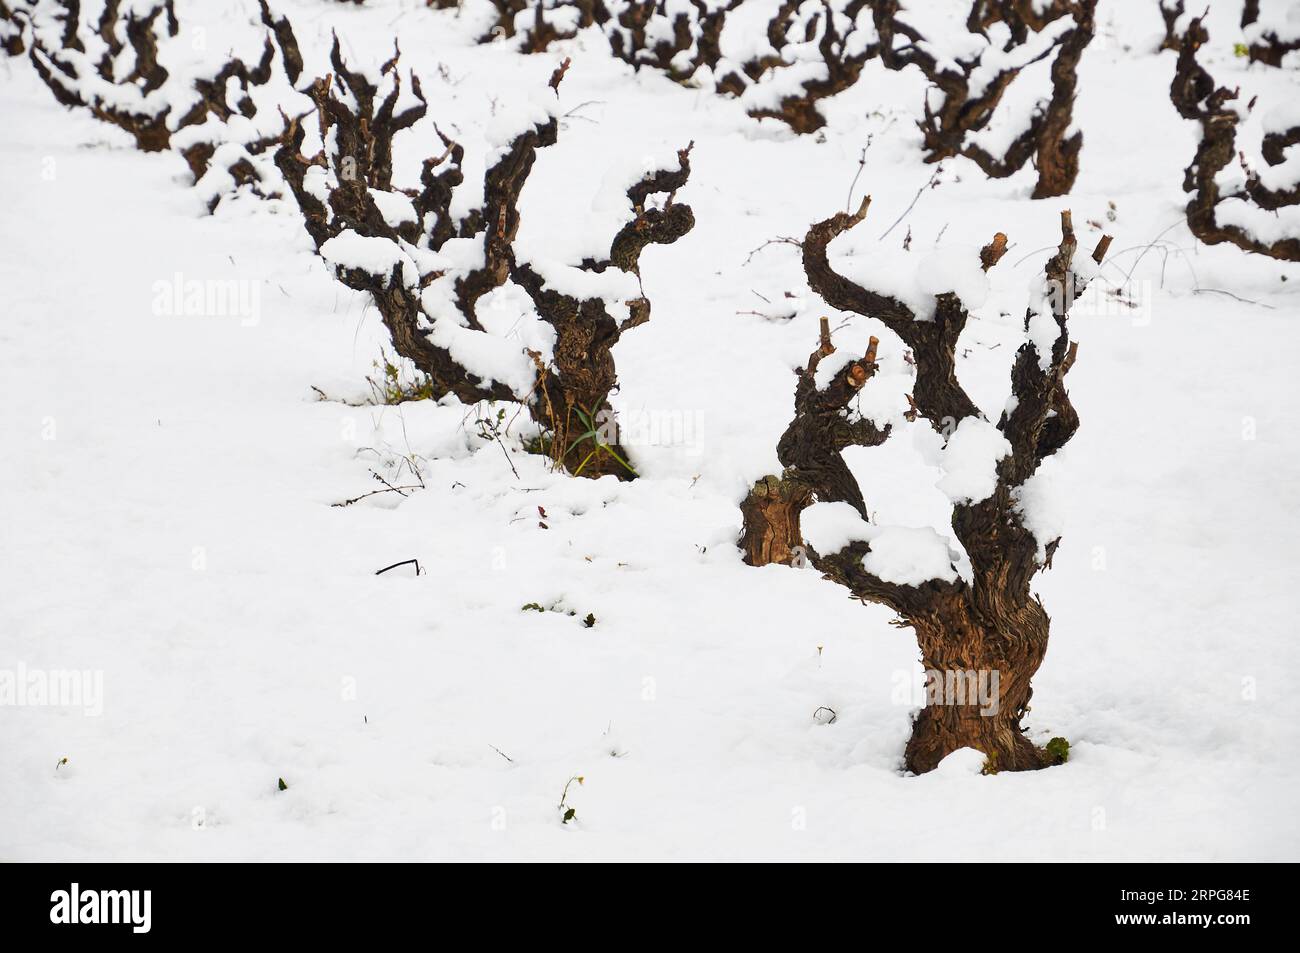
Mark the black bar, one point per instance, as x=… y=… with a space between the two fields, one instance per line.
x=1200 y=902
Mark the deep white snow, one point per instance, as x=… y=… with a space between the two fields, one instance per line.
x=167 y=478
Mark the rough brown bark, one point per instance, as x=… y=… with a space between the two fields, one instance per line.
x=771 y=532
x=953 y=638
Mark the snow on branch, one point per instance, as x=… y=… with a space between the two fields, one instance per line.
x=113 y=72
x=822 y=50
x=15 y=16
x=781 y=61
x=984 y=465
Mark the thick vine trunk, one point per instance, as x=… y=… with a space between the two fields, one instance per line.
x=982 y=634
x=978 y=688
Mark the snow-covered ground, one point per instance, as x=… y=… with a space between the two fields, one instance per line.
x=166 y=481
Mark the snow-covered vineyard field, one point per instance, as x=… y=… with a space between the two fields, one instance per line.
x=209 y=451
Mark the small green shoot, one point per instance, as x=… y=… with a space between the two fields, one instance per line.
x=393 y=387
x=592 y=433
x=567 y=813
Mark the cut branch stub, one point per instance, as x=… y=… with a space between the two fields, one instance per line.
x=770 y=513
x=992 y=253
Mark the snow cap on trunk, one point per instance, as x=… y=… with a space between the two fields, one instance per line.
x=970 y=460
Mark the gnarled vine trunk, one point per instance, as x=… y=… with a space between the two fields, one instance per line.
x=981 y=631
x=569 y=397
